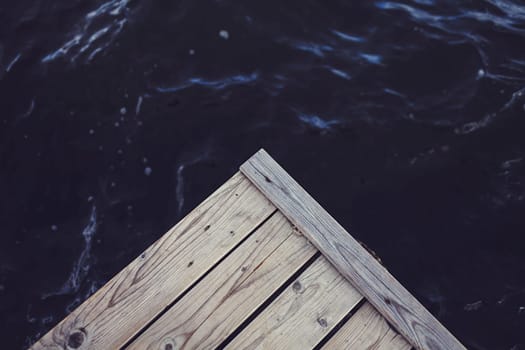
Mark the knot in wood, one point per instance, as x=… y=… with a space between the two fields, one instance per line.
x=297 y=287
x=168 y=344
x=76 y=339
x=322 y=322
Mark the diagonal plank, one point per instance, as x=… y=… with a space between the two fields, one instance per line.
x=116 y=312
x=303 y=314
x=367 y=329
x=229 y=294
x=375 y=283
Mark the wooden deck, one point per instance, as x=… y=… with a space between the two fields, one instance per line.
x=257 y=265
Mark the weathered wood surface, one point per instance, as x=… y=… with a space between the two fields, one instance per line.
x=375 y=283
x=230 y=293
x=132 y=298
x=367 y=329
x=303 y=314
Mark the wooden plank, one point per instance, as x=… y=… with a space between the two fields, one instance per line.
x=367 y=329
x=116 y=312
x=303 y=314
x=226 y=297
x=388 y=296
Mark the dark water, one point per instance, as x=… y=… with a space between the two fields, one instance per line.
x=405 y=119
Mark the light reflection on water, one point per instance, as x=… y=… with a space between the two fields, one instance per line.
x=140 y=108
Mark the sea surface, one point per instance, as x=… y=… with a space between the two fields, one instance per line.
x=405 y=119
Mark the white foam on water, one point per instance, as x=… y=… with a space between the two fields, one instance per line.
x=312 y=47
x=112 y=7
x=139 y=105
x=224 y=34
x=63 y=50
x=94 y=53
x=81 y=266
x=218 y=84
x=398 y=94
x=179 y=188
x=29 y=110
x=348 y=37
x=481 y=73
x=316 y=122
x=510 y=163
x=470 y=127
x=510 y=187
x=475 y=306
x=13 y=62
x=516 y=97
x=340 y=73
x=371 y=58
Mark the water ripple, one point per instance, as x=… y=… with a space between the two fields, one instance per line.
x=13 y=62
x=371 y=58
x=189 y=160
x=339 y=73
x=314 y=48
x=81 y=266
x=349 y=37
x=450 y=22
x=98 y=30
x=218 y=84
x=316 y=122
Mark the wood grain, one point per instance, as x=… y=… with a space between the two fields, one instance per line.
x=229 y=294
x=367 y=329
x=303 y=314
x=116 y=312
x=375 y=283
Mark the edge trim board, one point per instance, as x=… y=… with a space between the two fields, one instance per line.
x=407 y=315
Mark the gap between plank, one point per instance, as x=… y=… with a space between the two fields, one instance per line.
x=268 y=301
x=183 y=294
x=340 y=324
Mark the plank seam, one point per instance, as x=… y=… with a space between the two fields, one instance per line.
x=268 y=301
x=187 y=290
x=340 y=324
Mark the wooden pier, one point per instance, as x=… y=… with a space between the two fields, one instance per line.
x=258 y=265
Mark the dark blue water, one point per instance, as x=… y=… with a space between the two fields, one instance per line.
x=406 y=120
